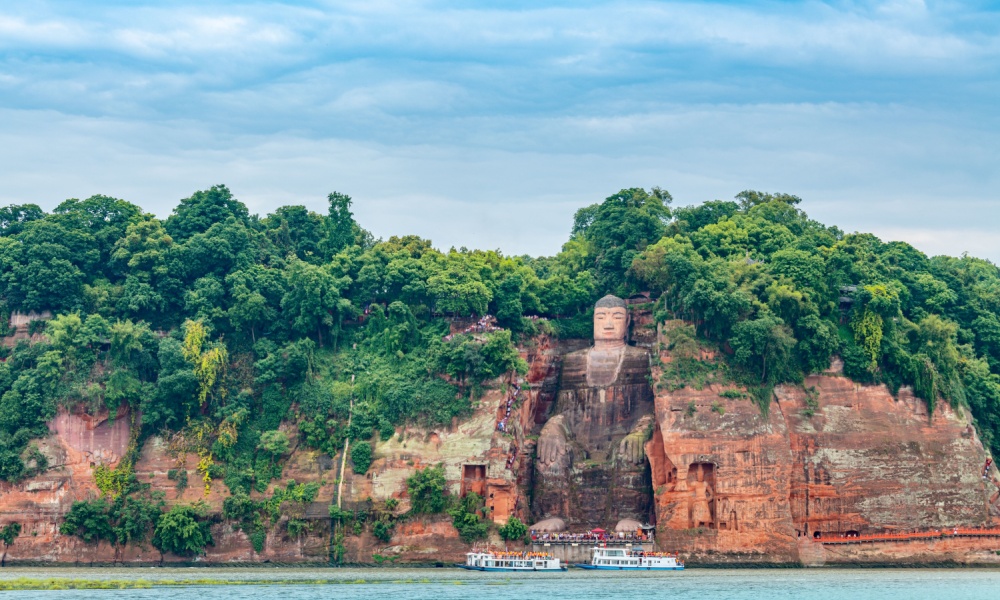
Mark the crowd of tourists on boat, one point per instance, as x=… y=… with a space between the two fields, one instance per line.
x=509 y=554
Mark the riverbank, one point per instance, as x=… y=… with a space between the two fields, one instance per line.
x=171 y=583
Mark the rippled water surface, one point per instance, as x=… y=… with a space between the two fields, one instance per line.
x=445 y=584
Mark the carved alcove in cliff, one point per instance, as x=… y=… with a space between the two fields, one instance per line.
x=474 y=479
x=662 y=470
x=701 y=506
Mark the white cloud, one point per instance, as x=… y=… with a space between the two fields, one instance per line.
x=201 y=34
x=953 y=242
x=16 y=31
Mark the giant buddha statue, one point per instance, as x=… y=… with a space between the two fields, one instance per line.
x=590 y=466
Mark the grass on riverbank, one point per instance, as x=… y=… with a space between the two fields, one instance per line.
x=25 y=583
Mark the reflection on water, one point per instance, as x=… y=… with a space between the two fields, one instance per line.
x=446 y=584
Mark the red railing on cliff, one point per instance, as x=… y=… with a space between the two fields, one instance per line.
x=954 y=532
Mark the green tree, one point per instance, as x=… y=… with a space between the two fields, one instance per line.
x=751 y=198
x=141 y=257
x=465 y=517
x=256 y=296
x=361 y=457
x=877 y=304
x=763 y=347
x=620 y=228
x=8 y=533
x=38 y=271
x=513 y=529
x=382 y=531
x=313 y=302
x=426 y=488
x=274 y=443
x=693 y=218
x=133 y=519
x=197 y=213
x=342 y=229
x=183 y=531
x=104 y=217
x=89 y=521
x=296 y=230
x=13 y=217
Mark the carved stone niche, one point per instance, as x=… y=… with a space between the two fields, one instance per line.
x=474 y=479
x=701 y=500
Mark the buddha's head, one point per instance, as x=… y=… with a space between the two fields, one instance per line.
x=610 y=322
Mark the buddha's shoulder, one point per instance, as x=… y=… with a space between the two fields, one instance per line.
x=636 y=354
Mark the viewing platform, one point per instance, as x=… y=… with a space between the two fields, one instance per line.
x=593 y=541
x=954 y=532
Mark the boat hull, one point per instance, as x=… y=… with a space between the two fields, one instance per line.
x=509 y=569
x=626 y=568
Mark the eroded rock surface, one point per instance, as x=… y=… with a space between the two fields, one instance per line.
x=723 y=483
x=832 y=457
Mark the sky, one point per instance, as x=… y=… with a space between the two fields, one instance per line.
x=488 y=124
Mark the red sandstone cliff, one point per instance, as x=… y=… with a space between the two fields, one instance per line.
x=730 y=485
x=474 y=455
x=831 y=457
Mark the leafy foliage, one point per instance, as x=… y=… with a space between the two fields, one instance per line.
x=426 y=488
x=88 y=520
x=8 y=533
x=127 y=517
x=513 y=529
x=361 y=457
x=183 y=530
x=382 y=531
x=466 y=517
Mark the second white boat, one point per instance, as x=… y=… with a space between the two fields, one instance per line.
x=621 y=559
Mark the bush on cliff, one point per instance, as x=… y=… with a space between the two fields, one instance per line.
x=382 y=531
x=361 y=457
x=128 y=518
x=183 y=530
x=513 y=529
x=88 y=520
x=427 y=488
x=466 y=516
x=8 y=533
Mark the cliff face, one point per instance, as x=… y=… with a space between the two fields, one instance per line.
x=475 y=456
x=724 y=483
x=721 y=477
x=832 y=457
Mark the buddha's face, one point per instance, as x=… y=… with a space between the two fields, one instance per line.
x=610 y=324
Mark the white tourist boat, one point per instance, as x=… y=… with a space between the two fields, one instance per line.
x=511 y=561
x=622 y=559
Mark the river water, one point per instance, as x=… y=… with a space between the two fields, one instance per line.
x=446 y=584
